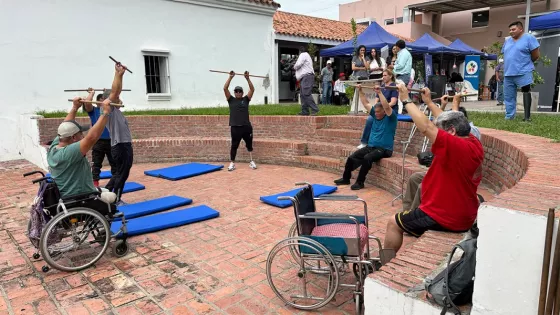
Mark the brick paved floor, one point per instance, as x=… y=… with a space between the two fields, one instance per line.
x=211 y=267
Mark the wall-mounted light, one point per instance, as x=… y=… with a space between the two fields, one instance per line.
x=499 y=34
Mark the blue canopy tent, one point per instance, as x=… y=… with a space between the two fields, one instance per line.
x=468 y=50
x=545 y=22
x=435 y=47
x=372 y=37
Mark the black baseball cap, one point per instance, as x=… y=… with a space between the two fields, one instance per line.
x=238 y=88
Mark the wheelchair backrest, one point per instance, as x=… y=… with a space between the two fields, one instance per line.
x=51 y=196
x=304 y=205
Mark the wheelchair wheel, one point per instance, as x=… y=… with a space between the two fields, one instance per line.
x=75 y=240
x=297 y=282
x=294 y=251
x=120 y=248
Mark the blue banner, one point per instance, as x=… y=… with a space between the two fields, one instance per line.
x=427 y=66
x=472 y=70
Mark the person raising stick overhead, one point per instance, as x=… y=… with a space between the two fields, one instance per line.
x=102 y=147
x=121 y=139
x=239 y=122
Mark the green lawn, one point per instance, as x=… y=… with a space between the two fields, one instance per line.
x=543 y=125
x=272 y=109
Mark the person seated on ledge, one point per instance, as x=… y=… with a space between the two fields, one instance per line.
x=66 y=156
x=412 y=195
x=449 y=200
x=390 y=95
x=380 y=143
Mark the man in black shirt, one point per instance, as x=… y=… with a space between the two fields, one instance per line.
x=239 y=119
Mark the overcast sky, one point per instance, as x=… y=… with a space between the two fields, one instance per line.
x=320 y=8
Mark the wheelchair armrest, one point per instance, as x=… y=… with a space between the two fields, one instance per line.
x=81 y=196
x=337 y=197
x=329 y=216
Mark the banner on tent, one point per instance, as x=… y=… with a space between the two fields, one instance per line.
x=427 y=66
x=472 y=70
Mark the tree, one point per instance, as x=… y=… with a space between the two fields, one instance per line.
x=496 y=48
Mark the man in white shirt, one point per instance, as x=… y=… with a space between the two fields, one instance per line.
x=340 y=91
x=306 y=77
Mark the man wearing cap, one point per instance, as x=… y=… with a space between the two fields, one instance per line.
x=67 y=154
x=239 y=122
x=102 y=147
x=327 y=78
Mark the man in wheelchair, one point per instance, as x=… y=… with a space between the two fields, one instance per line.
x=66 y=155
x=449 y=191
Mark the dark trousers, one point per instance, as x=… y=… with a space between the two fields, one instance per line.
x=238 y=133
x=364 y=157
x=307 y=101
x=123 y=156
x=101 y=149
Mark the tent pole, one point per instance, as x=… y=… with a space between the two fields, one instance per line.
x=527 y=17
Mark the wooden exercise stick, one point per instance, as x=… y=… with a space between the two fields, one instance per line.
x=126 y=68
x=95 y=102
x=85 y=90
x=251 y=75
x=387 y=87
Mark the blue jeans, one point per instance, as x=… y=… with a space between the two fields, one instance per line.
x=511 y=84
x=367 y=130
x=501 y=92
x=327 y=93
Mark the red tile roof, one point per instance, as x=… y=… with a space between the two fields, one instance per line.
x=266 y=2
x=308 y=26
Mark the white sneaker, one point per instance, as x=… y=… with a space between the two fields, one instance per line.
x=231 y=166
x=253 y=165
x=361 y=146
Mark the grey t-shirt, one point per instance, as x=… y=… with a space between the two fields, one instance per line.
x=118 y=128
x=359 y=63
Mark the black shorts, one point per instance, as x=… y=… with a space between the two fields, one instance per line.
x=416 y=222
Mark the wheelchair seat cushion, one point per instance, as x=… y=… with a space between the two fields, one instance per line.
x=339 y=238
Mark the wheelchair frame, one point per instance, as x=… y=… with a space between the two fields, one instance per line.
x=65 y=211
x=301 y=244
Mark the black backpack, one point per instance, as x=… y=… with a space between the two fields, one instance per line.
x=454 y=285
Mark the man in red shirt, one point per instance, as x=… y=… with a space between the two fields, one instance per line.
x=449 y=201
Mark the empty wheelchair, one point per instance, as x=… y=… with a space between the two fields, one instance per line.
x=72 y=233
x=305 y=269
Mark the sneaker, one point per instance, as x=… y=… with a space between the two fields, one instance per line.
x=361 y=146
x=342 y=181
x=231 y=166
x=96 y=183
x=357 y=186
x=253 y=165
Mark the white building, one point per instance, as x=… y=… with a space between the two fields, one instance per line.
x=170 y=46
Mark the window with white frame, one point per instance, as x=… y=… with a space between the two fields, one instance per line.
x=480 y=19
x=389 y=21
x=156 y=65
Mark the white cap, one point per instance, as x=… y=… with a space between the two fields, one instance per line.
x=69 y=128
x=501 y=60
x=329 y=62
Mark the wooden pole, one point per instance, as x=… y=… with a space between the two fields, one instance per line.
x=85 y=90
x=546 y=261
x=95 y=102
x=117 y=62
x=551 y=295
x=251 y=75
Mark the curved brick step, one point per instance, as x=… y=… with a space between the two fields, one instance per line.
x=329 y=149
x=342 y=136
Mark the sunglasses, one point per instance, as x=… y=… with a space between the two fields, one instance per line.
x=238 y=91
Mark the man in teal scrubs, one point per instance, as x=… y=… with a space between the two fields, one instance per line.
x=520 y=51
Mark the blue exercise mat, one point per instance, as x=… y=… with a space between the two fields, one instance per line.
x=143 y=208
x=162 y=221
x=102 y=175
x=317 y=191
x=401 y=117
x=132 y=186
x=184 y=171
